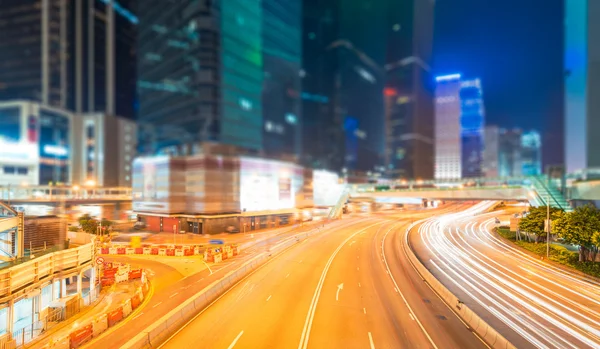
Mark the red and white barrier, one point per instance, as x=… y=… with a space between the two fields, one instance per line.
x=99 y=325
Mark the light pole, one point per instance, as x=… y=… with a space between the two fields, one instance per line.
x=548 y=223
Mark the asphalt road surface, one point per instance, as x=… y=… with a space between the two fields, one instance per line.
x=350 y=287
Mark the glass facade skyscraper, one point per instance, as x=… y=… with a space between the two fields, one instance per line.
x=282 y=58
x=472 y=122
x=448 y=140
x=531 y=153
x=582 y=84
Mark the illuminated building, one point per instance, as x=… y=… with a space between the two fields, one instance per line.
x=448 y=141
x=472 y=122
x=459 y=135
x=582 y=99
x=200 y=77
x=509 y=153
x=281 y=93
x=38 y=146
x=247 y=193
x=531 y=153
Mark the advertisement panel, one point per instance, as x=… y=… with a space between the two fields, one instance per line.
x=267 y=185
x=326 y=187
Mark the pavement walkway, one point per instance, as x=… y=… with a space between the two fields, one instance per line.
x=109 y=299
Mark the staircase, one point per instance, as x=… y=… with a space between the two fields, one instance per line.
x=547 y=192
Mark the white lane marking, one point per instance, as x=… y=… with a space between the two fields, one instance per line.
x=174 y=294
x=208 y=267
x=268 y=298
x=352 y=243
x=157 y=304
x=411 y=317
x=137 y=316
x=387 y=267
x=235 y=340
x=313 y=305
x=339 y=288
x=300 y=261
x=359 y=284
x=395 y=289
x=287 y=275
x=357 y=268
x=371 y=341
x=365 y=310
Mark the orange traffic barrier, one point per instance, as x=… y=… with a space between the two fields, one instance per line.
x=80 y=336
x=104 y=250
x=107 y=281
x=170 y=252
x=121 y=250
x=188 y=252
x=139 y=250
x=135 y=274
x=114 y=316
x=135 y=301
x=154 y=251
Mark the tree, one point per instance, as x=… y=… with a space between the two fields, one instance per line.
x=581 y=227
x=533 y=222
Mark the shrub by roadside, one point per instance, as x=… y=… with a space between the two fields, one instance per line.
x=558 y=254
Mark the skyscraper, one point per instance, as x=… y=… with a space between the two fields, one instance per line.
x=282 y=57
x=531 y=153
x=33 y=51
x=582 y=84
x=409 y=35
x=448 y=141
x=200 y=74
x=491 y=151
x=322 y=120
x=509 y=153
x=73 y=54
x=472 y=122
x=460 y=119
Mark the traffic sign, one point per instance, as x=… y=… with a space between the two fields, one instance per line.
x=216 y=242
x=99 y=260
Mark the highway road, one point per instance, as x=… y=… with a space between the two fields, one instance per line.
x=532 y=303
x=169 y=288
x=349 y=288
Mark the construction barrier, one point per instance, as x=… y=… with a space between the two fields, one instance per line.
x=115 y=316
x=135 y=274
x=99 y=324
x=130 y=250
x=218 y=258
x=80 y=336
x=147 y=250
x=127 y=308
x=135 y=301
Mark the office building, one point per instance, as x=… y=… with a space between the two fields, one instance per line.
x=582 y=85
x=102 y=59
x=531 y=153
x=491 y=151
x=322 y=121
x=472 y=122
x=509 y=153
x=39 y=146
x=448 y=140
x=33 y=51
x=409 y=151
x=282 y=62
x=74 y=55
x=459 y=124
x=200 y=75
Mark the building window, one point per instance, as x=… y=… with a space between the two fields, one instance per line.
x=22 y=171
x=127 y=178
x=9 y=170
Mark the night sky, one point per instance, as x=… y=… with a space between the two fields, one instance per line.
x=516 y=48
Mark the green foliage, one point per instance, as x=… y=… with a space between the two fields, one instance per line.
x=72 y=228
x=533 y=222
x=580 y=227
x=90 y=225
x=558 y=254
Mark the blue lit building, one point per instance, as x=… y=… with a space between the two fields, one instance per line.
x=582 y=85
x=472 y=123
x=531 y=153
x=459 y=127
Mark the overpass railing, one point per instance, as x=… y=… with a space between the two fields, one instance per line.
x=54 y=193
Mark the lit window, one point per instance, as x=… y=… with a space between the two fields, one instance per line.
x=127 y=178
